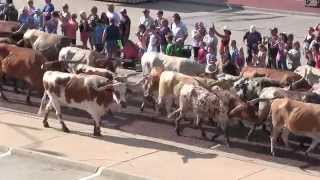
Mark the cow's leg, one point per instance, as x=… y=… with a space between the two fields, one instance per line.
x=142 y=105
x=2 y=94
x=253 y=128
x=96 y=124
x=28 y=96
x=177 y=124
x=273 y=139
x=313 y=145
x=57 y=107
x=203 y=132
x=285 y=136
x=169 y=103
x=226 y=135
x=47 y=111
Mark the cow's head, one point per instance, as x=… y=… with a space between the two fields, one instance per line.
x=245 y=111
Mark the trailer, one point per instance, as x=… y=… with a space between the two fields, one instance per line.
x=312 y=3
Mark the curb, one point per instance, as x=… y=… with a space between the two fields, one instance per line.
x=96 y=171
x=54 y=159
x=237 y=6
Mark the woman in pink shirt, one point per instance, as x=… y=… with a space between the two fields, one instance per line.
x=71 y=28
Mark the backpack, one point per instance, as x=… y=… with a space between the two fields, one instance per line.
x=11 y=13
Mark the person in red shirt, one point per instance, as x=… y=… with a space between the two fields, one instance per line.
x=71 y=28
x=316 y=54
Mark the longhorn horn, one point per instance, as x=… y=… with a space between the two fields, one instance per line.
x=254 y=101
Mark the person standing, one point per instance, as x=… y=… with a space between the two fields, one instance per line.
x=159 y=19
x=98 y=35
x=179 y=29
x=273 y=48
x=65 y=17
x=125 y=25
x=93 y=19
x=111 y=35
x=225 y=40
x=9 y=12
x=146 y=19
x=282 y=52
x=38 y=20
x=252 y=39
x=30 y=8
x=52 y=24
x=163 y=32
x=316 y=55
x=71 y=28
x=153 y=39
x=47 y=10
x=113 y=15
x=293 y=57
x=211 y=40
x=84 y=29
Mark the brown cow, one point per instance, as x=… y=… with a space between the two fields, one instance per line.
x=23 y=64
x=296 y=117
x=284 y=77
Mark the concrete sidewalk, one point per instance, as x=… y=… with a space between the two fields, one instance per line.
x=138 y=155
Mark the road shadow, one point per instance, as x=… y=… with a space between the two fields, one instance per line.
x=183 y=7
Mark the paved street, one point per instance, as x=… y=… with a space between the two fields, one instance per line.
x=141 y=144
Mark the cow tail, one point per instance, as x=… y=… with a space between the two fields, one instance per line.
x=43 y=103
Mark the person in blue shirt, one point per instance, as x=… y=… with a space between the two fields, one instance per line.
x=47 y=10
x=37 y=20
x=98 y=34
x=111 y=35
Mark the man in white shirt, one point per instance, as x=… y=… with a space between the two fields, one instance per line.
x=113 y=15
x=179 y=29
x=146 y=19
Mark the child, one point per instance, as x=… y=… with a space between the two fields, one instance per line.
x=65 y=17
x=294 y=56
x=202 y=53
x=282 y=52
x=84 y=29
x=196 y=39
x=212 y=66
x=71 y=28
x=159 y=18
x=237 y=57
x=37 y=20
x=142 y=36
x=262 y=56
x=153 y=40
x=170 y=46
x=164 y=30
x=52 y=24
x=24 y=18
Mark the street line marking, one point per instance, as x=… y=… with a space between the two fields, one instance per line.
x=8 y=153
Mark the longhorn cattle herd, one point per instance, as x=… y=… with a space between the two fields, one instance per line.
x=280 y=101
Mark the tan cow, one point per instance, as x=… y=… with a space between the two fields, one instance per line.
x=291 y=116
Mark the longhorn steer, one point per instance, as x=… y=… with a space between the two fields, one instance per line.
x=296 y=117
x=91 y=93
x=23 y=64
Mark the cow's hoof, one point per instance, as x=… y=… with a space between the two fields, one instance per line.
x=66 y=130
x=46 y=125
x=97 y=134
x=204 y=135
x=214 y=137
x=141 y=109
x=178 y=132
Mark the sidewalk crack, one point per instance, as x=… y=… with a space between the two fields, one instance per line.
x=134 y=158
x=251 y=174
